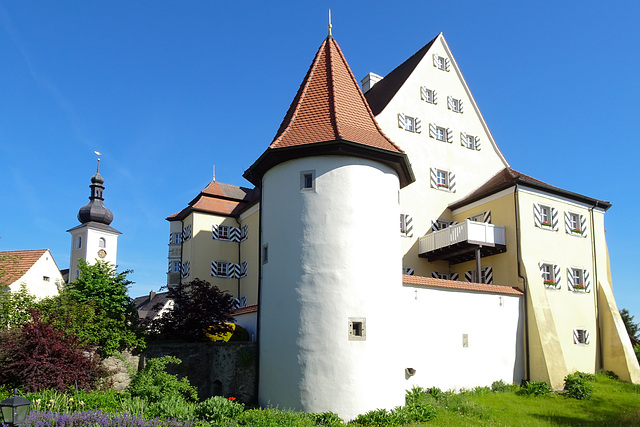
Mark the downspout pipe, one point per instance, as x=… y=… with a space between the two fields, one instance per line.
x=527 y=372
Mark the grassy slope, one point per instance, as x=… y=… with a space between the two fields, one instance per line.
x=613 y=404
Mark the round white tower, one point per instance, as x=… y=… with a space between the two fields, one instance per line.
x=330 y=260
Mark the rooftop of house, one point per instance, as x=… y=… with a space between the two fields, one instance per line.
x=382 y=92
x=148 y=306
x=16 y=263
x=508 y=177
x=220 y=199
x=329 y=115
x=463 y=286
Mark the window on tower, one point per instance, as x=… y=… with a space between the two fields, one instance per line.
x=79 y=242
x=102 y=242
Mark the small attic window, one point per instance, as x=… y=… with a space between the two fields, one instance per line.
x=307 y=180
x=357 y=329
x=45 y=278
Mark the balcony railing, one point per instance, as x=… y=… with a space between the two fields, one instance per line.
x=458 y=243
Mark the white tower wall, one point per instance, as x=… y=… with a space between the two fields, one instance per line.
x=333 y=254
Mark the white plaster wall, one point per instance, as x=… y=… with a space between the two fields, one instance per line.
x=334 y=253
x=249 y=321
x=436 y=320
x=34 y=278
x=90 y=248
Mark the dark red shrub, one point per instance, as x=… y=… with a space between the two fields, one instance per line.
x=38 y=356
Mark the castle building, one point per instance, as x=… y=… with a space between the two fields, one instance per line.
x=94 y=239
x=388 y=243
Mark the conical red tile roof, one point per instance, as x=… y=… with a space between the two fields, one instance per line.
x=329 y=115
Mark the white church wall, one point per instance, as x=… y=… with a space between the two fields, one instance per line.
x=333 y=254
x=461 y=339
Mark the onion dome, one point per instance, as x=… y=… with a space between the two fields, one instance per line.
x=95 y=211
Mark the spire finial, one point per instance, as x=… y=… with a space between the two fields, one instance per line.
x=98 y=154
x=330 y=23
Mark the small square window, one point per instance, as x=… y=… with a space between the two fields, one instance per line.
x=441 y=133
x=440 y=63
x=427 y=95
x=456 y=105
x=548 y=276
x=469 y=141
x=357 y=329
x=45 y=278
x=224 y=232
x=545 y=216
x=221 y=269
x=477 y=217
x=580 y=336
x=442 y=178
x=577 y=279
x=176 y=266
x=574 y=223
x=307 y=180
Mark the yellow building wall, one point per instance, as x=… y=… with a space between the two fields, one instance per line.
x=250 y=252
x=505 y=267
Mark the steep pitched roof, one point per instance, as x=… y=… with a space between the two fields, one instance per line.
x=508 y=177
x=15 y=264
x=463 y=286
x=329 y=115
x=220 y=198
x=382 y=92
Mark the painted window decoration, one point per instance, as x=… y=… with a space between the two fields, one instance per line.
x=440 y=133
x=545 y=217
x=443 y=180
x=486 y=276
x=454 y=104
x=481 y=217
x=444 y=275
x=228 y=270
x=428 y=95
x=551 y=275
x=441 y=224
x=441 y=63
x=581 y=336
x=186 y=233
x=185 y=269
x=175 y=238
x=578 y=280
x=575 y=224
x=410 y=124
x=408 y=270
x=406 y=225
x=228 y=233
x=469 y=141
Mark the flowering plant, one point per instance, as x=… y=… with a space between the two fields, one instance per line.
x=576 y=230
x=443 y=185
x=546 y=223
x=579 y=286
x=550 y=283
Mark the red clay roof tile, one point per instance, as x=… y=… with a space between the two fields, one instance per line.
x=454 y=284
x=16 y=263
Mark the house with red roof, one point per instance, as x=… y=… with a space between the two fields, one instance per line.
x=387 y=243
x=35 y=269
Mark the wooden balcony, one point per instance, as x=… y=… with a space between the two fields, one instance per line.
x=459 y=242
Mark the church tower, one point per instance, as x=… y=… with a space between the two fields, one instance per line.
x=330 y=242
x=94 y=239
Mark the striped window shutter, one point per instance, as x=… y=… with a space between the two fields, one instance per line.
x=454 y=276
x=557 y=274
x=214 y=268
x=488 y=275
x=214 y=232
x=406 y=225
x=186 y=233
x=449 y=103
x=463 y=139
x=238 y=270
x=570 y=279
x=449 y=135
x=401 y=121
x=435 y=97
x=408 y=270
x=478 y=143
x=184 y=269
x=460 y=106
x=434 y=226
x=452 y=182
x=244 y=233
x=486 y=217
x=447 y=64
x=170 y=238
x=468 y=276
x=434 y=275
x=434 y=179
x=432 y=130
x=423 y=93
x=567 y=222
x=583 y=225
x=554 y=218
x=536 y=215
x=435 y=60
x=587 y=281
x=418 y=125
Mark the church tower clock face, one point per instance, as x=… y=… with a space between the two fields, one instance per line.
x=102 y=253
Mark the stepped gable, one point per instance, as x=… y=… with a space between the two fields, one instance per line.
x=382 y=92
x=16 y=263
x=508 y=177
x=329 y=115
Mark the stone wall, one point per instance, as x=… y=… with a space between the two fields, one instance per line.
x=122 y=367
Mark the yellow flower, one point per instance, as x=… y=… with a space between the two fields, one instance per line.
x=71 y=399
x=81 y=403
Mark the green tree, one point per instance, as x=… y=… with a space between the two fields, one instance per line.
x=15 y=307
x=97 y=309
x=632 y=327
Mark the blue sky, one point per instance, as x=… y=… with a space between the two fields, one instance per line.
x=165 y=90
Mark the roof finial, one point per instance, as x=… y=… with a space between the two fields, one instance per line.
x=98 y=154
x=330 y=23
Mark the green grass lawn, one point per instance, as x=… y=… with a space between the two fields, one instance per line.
x=613 y=403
